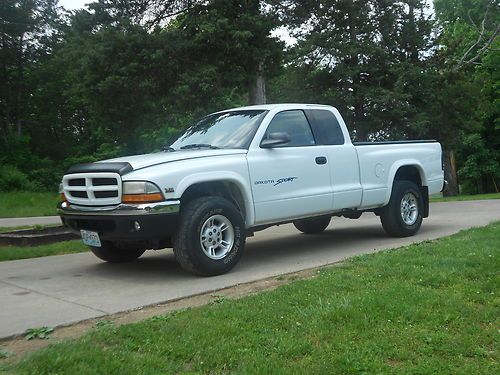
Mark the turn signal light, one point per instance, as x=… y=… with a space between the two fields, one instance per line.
x=61 y=193
x=142 y=198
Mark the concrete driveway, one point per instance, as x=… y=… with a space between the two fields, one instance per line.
x=36 y=220
x=63 y=289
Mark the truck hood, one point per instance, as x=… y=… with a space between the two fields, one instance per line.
x=148 y=160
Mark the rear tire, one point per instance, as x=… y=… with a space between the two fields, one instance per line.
x=402 y=217
x=313 y=225
x=211 y=236
x=112 y=253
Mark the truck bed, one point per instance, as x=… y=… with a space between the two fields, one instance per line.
x=379 y=162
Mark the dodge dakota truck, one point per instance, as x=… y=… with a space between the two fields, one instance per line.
x=242 y=170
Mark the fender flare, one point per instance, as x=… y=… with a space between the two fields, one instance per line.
x=222 y=176
x=394 y=169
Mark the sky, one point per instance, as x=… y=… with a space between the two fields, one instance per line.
x=74 y=4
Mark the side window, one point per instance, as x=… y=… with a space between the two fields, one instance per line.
x=326 y=127
x=295 y=124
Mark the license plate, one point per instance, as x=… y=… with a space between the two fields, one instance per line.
x=90 y=238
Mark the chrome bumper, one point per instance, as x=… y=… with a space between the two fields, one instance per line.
x=166 y=207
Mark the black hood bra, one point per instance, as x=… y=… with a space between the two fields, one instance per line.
x=115 y=167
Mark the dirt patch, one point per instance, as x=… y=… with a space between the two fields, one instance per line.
x=17 y=346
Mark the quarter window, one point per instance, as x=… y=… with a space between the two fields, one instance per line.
x=295 y=124
x=326 y=127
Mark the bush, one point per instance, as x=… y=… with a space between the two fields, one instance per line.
x=12 y=179
x=46 y=178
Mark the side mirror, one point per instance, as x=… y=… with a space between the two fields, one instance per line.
x=275 y=139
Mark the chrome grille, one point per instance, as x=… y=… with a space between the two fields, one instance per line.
x=93 y=189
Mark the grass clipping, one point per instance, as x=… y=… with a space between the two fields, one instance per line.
x=429 y=308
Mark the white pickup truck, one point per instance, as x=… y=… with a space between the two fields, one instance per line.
x=242 y=170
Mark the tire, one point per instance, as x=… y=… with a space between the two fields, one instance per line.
x=312 y=226
x=211 y=236
x=402 y=217
x=112 y=253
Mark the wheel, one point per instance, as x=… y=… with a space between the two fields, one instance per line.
x=402 y=217
x=112 y=253
x=211 y=236
x=314 y=225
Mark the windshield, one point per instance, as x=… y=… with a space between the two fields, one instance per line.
x=231 y=129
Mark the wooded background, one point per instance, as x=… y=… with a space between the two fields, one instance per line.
x=123 y=77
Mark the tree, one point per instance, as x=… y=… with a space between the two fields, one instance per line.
x=25 y=28
x=113 y=85
x=474 y=26
x=469 y=53
x=365 y=57
x=234 y=37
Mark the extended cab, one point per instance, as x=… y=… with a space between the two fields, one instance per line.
x=242 y=170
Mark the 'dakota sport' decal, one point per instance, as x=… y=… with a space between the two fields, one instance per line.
x=275 y=182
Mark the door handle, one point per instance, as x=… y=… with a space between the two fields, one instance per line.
x=321 y=160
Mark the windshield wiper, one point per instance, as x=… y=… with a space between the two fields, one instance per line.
x=168 y=149
x=199 y=145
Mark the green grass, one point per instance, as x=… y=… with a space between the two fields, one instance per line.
x=22 y=204
x=59 y=248
x=476 y=197
x=430 y=308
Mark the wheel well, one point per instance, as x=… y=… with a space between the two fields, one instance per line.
x=409 y=173
x=225 y=189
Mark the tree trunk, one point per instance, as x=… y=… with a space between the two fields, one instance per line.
x=358 y=101
x=413 y=52
x=494 y=182
x=450 y=174
x=20 y=83
x=257 y=94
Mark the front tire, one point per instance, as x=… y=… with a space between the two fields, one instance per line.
x=211 y=236
x=313 y=225
x=402 y=217
x=113 y=253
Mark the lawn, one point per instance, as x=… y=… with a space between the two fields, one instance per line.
x=59 y=248
x=440 y=198
x=21 y=204
x=430 y=308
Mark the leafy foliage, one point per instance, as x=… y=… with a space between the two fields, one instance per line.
x=467 y=27
x=38 y=333
x=125 y=77
x=12 y=179
x=367 y=59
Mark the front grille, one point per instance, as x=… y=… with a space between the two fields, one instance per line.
x=106 y=194
x=78 y=194
x=77 y=182
x=104 y=181
x=93 y=189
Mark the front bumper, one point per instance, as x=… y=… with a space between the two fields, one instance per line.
x=154 y=222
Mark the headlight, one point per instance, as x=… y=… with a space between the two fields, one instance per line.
x=141 y=192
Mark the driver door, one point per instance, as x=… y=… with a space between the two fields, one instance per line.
x=290 y=180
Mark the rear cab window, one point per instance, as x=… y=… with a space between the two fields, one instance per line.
x=325 y=126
